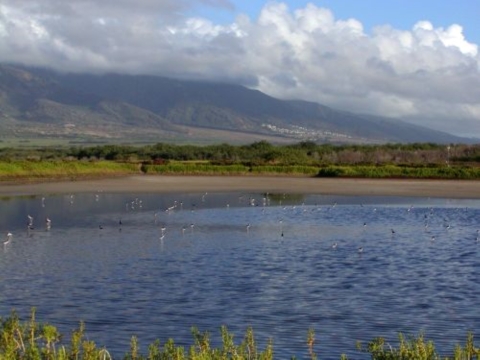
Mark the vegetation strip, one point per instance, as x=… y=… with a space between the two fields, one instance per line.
x=413 y=161
x=31 y=340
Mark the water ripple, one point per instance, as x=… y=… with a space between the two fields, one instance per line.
x=272 y=267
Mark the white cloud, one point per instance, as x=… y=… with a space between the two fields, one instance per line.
x=430 y=74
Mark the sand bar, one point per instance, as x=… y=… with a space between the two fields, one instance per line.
x=273 y=184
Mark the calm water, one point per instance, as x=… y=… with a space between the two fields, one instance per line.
x=245 y=260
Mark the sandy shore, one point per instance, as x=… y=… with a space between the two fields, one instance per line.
x=331 y=186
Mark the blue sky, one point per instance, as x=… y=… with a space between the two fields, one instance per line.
x=418 y=61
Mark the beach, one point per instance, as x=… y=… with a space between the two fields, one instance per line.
x=268 y=184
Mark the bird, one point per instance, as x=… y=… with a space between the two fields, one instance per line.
x=334 y=245
x=9 y=238
x=30 y=222
x=48 y=223
x=360 y=250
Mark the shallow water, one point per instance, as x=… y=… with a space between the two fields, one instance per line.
x=245 y=260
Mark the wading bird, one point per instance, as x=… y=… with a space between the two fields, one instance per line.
x=9 y=239
x=30 y=222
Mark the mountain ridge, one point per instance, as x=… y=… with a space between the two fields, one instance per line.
x=139 y=105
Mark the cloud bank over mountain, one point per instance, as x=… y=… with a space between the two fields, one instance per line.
x=428 y=74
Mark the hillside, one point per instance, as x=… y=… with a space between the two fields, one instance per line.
x=148 y=108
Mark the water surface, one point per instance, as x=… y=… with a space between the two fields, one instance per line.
x=155 y=265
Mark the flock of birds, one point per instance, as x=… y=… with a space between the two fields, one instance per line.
x=137 y=204
x=30 y=226
x=177 y=205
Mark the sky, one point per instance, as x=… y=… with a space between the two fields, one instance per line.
x=414 y=60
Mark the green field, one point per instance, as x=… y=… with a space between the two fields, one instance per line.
x=37 y=170
x=420 y=161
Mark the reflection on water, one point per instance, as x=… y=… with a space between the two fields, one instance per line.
x=153 y=266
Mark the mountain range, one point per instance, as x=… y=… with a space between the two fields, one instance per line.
x=38 y=102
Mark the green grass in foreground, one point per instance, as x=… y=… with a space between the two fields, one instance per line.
x=31 y=340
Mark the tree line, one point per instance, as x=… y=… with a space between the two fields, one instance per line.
x=259 y=153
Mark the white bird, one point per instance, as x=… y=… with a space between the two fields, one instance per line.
x=9 y=238
x=360 y=250
x=334 y=246
x=48 y=223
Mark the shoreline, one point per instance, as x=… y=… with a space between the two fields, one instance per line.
x=461 y=189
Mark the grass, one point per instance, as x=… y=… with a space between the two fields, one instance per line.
x=188 y=168
x=31 y=170
x=417 y=348
x=36 y=170
x=285 y=169
x=206 y=168
x=30 y=340
x=396 y=171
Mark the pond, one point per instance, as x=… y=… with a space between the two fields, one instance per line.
x=153 y=266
